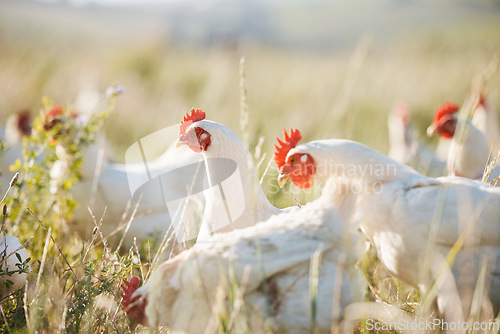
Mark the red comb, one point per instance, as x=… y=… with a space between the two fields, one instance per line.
x=195 y=116
x=444 y=110
x=52 y=113
x=129 y=288
x=283 y=147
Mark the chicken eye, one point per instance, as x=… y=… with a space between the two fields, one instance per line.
x=292 y=161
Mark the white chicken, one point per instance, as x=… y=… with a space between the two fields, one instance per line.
x=469 y=151
x=161 y=185
x=234 y=198
x=271 y=267
x=162 y=193
x=485 y=119
x=406 y=148
x=12 y=258
x=402 y=211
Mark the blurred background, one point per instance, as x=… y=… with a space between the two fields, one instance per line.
x=329 y=68
x=333 y=69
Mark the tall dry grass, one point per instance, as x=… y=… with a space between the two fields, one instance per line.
x=75 y=283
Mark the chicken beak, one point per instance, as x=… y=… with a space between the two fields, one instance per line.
x=283 y=179
x=180 y=141
x=431 y=130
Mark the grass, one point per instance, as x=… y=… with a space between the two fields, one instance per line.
x=75 y=283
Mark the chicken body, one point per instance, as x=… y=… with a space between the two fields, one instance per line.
x=234 y=198
x=469 y=150
x=399 y=209
x=271 y=263
x=152 y=193
x=485 y=119
x=405 y=147
x=158 y=188
x=468 y=153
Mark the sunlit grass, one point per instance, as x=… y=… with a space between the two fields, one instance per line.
x=75 y=283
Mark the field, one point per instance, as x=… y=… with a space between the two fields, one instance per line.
x=342 y=90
